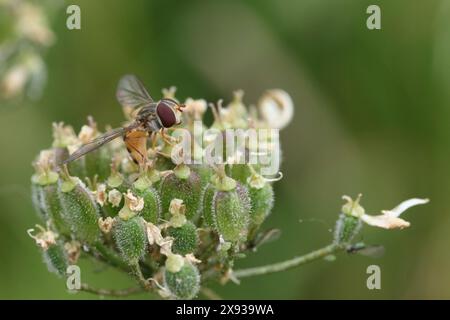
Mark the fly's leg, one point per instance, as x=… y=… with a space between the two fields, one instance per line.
x=165 y=137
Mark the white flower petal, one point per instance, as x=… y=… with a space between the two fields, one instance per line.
x=404 y=206
x=277 y=108
x=385 y=221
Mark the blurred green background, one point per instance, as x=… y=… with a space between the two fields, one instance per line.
x=372 y=111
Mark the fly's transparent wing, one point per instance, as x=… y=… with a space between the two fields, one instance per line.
x=96 y=143
x=265 y=237
x=131 y=93
x=373 y=251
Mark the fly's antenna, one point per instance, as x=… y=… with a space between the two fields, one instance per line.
x=180 y=107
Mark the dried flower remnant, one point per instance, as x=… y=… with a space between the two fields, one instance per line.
x=44 y=238
x=106 y=224
x=133 y=204
x=114 y=197
x=73 y=249
x=100 y=194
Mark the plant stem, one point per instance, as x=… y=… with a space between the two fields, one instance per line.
x=210 y=294
x=111 y=292
x=111 y=257
x=288 y=264
x=136 y=268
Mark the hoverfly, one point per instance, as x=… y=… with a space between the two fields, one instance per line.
x=150 y=117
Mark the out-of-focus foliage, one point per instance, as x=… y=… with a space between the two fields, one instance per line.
x=24 y=35
x=372 y=114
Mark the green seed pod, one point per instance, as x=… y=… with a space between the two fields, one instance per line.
x=239 y=172
x=348 y=224
x=347 y=227
x=182 y=184
x=53 y=208
x=242 y=172
x=80 y=210
x=142 y=187
x=43 y=176
x=261 y=200
x=98 y=163
x=205 y=173
x=152 y=204
x=55 y=257
x=163 y=163
x=209 y=218
x=131 y=238
x=183 y=284
x=45 y=197
x=76 y=168
x=185 y=238
x=227 y=212
x=36 y=198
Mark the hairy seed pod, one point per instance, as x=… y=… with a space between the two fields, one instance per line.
x=240 y=172
x=36 y=198
x=209 y=218
x=77 y=168
x=205 y=173
x=79 y=209
x=185 y=238
x=184 y=185
x=152 y=204
x=98 y=163
x=227 y=212
x=46 y=200
x=183 y=284
x=55 y=257
x=347 y=227
x=163 y=163
x=130 y=238
x=261 y=200
x=53 y=208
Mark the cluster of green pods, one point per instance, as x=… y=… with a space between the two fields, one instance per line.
x=137 y=217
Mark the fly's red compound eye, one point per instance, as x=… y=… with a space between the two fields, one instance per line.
x=166 y=113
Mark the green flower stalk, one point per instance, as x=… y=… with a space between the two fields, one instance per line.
x=169 y=217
